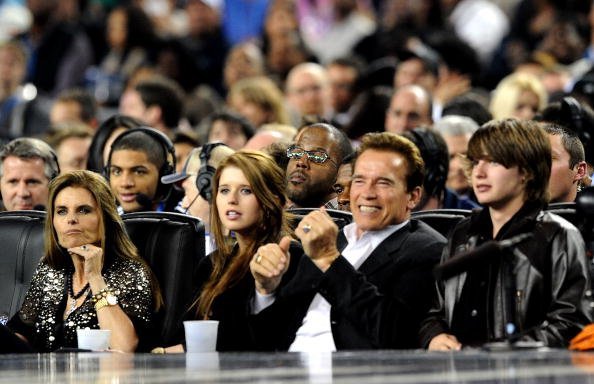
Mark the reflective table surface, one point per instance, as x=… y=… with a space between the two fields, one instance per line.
x=469 y=366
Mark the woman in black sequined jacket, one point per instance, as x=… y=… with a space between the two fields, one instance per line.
x=90 y=275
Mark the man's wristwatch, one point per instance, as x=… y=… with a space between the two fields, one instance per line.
x=105 y=297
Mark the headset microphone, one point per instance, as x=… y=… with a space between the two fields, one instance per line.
x=192 y=202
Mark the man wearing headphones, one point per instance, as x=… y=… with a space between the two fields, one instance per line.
x=196 y=180
x=434 y=151
x=138 y=159
x=26 y=167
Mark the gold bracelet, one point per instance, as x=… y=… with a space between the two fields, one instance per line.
x=159 y=351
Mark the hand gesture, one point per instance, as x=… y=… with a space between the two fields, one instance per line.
x=92 y=258
x=269 y=264
x=317 y=232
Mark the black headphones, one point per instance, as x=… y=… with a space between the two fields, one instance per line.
x=55 y=167
x=571 y=110
x=436 y=161
x=206 y=172
x=163 y=190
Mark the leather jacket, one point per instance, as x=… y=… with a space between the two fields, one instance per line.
x=549 y=274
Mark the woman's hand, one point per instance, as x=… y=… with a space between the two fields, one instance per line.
x=269 y=264
x=92 y=258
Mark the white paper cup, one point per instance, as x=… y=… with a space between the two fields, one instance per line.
x=93 y=339
x=201 y=335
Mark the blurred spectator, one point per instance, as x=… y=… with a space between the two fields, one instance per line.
x=71 y=142
x=410 y=107
x=344 y=76
x=468 y=105
x=130 y=37
x=244 y=60
x=105 y=134
x=259 y=100
x=331 y=29
x=369 y=112
x=184 y=143
x=435 y=155
x=480 y=23
x=157 y=102
x=205 y=42
x=456 y=132
x=518 y=95
x=12 y=73
x=229 y=128
x=307 y=91
x=200 y=103
x=269 y=134
x=282 y=44
x=74 y=105
x=58 y=51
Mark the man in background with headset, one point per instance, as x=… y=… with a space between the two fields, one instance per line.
x=138 y=159
x=26 y=167
x=196 y=180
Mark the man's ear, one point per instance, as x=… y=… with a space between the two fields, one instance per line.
x=581 y=170
x=415 y=197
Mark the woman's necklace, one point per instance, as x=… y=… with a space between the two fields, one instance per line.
x=74 y=297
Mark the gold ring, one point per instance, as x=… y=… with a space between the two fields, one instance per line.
x=306 y=228
x=258 y=258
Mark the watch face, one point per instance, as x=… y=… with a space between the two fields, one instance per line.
x=112 y=300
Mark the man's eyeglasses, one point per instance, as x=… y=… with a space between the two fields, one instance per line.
x=317 y=156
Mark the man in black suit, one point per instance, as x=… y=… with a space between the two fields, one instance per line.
x=365 y=287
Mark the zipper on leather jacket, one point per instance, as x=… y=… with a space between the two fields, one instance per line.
x=519 y=298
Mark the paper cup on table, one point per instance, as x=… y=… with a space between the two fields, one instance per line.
x=93 y=339
x=201 y=335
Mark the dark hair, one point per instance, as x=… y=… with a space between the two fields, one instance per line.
x=141 y=142
x=88 y=105
x=164 y=93
x=343 y=144
x=469 y=106
x=139 y=28
x=369 y=112
x=231 y=118
x=391 y=142
x=570 y=141
x=513 y=142
x=578 y=119
x=95 y=161
x=434 y=151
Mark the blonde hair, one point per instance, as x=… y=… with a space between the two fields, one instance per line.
x=263 y=92
x=505 y=97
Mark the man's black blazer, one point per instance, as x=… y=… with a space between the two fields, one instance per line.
x=378 y=306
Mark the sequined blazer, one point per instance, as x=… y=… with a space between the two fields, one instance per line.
x=40 y=318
